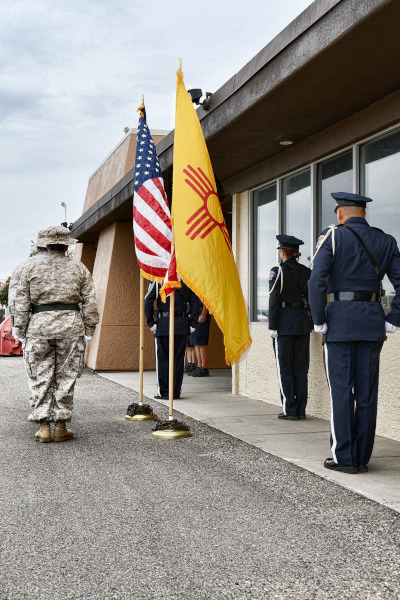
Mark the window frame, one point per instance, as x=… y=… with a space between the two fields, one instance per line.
x=253 y=247
x=315 y=205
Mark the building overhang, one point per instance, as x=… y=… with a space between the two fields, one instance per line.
x=335 y=59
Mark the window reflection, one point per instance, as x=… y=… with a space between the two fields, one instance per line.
x=297 y=209
x=334 y=175
x=380 y=180
x=265 y=253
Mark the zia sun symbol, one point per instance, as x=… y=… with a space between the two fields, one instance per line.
x=209 y=215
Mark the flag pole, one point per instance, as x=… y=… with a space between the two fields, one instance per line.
x=137 y=411
x=171 y=343
x=141 y=340
x=172 y=428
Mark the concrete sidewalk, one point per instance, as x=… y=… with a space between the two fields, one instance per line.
x=304 y=443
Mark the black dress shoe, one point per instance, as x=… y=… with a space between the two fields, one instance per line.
x=302 y=417
x=288 y=417
x=334 y=466
x=363 y=468
x=158 y=397
x=200 y=372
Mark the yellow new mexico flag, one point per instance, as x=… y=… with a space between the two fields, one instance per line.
x=203 y=249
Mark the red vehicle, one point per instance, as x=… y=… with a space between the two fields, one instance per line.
x=9 y=346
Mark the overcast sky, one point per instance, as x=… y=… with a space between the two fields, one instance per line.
x=72 y=73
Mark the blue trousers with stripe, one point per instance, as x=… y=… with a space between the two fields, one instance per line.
x=162 y=363
x=292 y=353
x=352 y=371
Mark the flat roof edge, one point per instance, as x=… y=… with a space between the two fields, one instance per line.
x=291 y=33
x=132 y=130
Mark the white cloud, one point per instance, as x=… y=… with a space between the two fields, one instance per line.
x=71 y=79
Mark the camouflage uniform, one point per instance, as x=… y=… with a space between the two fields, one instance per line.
x=54 y=350
x=14 y=280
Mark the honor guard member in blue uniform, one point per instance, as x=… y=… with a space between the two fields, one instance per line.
x=186 y=315
x=290 y=325
x=345 y=292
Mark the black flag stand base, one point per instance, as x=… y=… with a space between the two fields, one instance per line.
x=171 y=429
x=137 y=411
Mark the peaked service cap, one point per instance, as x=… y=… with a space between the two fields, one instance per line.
x=289 y=241
x=346 y=199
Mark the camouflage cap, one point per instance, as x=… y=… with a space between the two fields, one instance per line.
x=57 y=234
x=40 y=238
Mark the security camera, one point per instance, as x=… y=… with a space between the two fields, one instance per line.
x=196 y=94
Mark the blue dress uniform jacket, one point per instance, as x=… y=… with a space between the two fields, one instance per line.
x=356 y=330
x=288 y=315
x=290 y=320
x=187 y=312
x=350 y=269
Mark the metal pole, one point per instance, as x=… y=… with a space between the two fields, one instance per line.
x=141 y=340
x=65 y=211
x=171 y=353
x=171 y=340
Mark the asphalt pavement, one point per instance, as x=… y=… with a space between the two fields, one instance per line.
x=304 y=443
x=116 y=514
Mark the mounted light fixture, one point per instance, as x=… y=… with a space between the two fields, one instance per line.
x=288 y=139
x=196 y=93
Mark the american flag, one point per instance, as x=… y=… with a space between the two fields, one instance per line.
x=151 y=215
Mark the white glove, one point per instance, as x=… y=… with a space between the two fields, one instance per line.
x=15 y=334
x=154 y=329
x=389 y=328
x=192 y=329
x=86 y=338
x=274 y=334
x=321 y=328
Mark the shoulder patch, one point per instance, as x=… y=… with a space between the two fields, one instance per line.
x=272 y=274
x=319 y=241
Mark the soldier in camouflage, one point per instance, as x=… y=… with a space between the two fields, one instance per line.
x=55 y=315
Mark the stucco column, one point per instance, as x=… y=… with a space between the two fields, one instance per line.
x=240 y=203
x=86 y=254
x=115 y=344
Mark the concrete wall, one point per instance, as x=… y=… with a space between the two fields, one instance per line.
x=115 y=344
x=255 y=374
x=114 y=168
x=112 y=261
x=86 y=254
